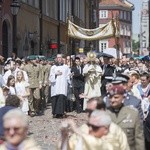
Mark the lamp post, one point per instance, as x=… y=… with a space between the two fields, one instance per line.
x=15 y=6
x=58 y=29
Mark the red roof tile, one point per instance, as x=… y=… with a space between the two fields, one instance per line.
x=114 y=2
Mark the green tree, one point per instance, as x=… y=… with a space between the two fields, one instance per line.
x=135 y=45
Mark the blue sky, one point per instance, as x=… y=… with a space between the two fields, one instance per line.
x=136 y=15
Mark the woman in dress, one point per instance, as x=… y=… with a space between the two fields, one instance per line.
x=11 y=85
x=22 y=91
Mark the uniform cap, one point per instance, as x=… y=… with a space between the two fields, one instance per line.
x=121 y=78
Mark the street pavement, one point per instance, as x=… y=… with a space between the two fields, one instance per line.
x=46 y=130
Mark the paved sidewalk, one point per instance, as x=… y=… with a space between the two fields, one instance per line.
x=46 y=130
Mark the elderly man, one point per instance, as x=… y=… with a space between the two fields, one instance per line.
x=129 y=100
x=116 y=137
x=115 y=132
x=127 y=117
x=12 y=102
x=15 y=132
x=98 y=124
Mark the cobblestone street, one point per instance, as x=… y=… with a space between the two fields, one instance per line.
x=46 y=129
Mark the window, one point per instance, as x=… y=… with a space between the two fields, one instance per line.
x=127 y=44
x=128 y=30
x=144 y=44
x=37 y=3
x=125 y=15
x=103 y=14
x=129 y=17
x=145 y=25
x=121 y=29
x=34 y=3
x=30 y=2
x=103 y=45
x=24 y=0
x=121 y=14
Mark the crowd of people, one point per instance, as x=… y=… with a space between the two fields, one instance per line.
x=115 y=93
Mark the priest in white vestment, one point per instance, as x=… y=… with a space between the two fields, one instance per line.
x=59 y=79
x=92 y=73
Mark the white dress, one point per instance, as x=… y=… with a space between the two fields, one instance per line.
x=21 y=91
x=12 y=90
x=2 y=98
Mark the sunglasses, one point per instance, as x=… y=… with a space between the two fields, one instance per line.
x=15 y=129
x=93 y=126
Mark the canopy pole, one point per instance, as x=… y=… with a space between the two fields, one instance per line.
x=116 y=30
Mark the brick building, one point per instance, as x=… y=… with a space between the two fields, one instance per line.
x=5 y=28
x=41 y=23
x=122 y=11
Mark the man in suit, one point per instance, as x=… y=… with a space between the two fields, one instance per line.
x=107 y=71
x=126 y=117
x=78 y=84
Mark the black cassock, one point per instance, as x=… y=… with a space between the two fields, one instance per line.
x=108 y=71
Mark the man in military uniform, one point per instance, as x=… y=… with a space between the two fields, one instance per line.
x=126 y=117
x=129 y=100
x=35 y=80
x=45 y=83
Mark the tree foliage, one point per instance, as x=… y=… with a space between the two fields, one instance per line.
x=135 y=45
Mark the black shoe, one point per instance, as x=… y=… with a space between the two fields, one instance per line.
x=83 y=111
x=54 y=116
x=39 y=113
x=78 y=111
x=60 y=116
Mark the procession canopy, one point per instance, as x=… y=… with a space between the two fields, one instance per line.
x=108 y=30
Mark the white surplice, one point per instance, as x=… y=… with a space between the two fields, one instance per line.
x=59 y=83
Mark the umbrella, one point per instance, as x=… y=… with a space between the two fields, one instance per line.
x=101 y=54
x=112 y=52
x=146 y=58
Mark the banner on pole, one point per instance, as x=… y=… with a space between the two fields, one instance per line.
x=107 y=31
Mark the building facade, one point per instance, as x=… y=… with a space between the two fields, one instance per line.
x=144 y=32
x=121 y=10
x=5 y=28
x=41 y=23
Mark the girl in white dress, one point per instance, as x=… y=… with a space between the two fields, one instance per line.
x=11 y=85
x=22 y=91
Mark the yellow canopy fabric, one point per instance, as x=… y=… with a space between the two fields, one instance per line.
x=107 y=31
